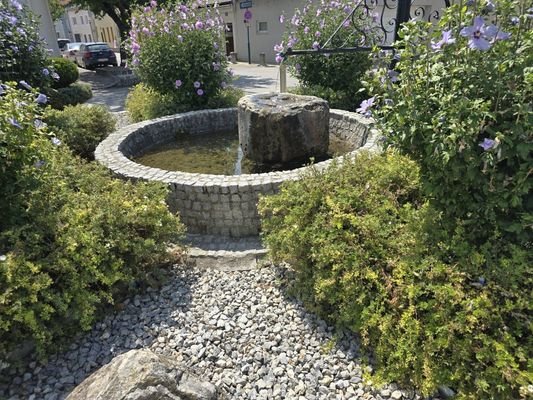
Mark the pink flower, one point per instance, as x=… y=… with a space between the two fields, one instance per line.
x=178 y=83
x=281 y=18
x=199 y=25
x=279 y=59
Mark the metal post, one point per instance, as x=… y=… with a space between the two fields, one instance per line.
x=248 y=35
x=282 y=78
x=402 y=15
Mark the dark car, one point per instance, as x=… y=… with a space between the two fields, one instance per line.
x=62 y=43
x=92 y=55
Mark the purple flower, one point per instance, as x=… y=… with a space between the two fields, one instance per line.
x=16 y=4
x=55 y=141
x=135 y=47
x=479 y=34
x=393 y=75
x=25 y=85
x=446 y=39
x=279 y=58
x=278 y=48
x=153 y=3
x=145 y=30
x=306 y=30
x=13 y=20
x=55 y=76
x=15 y=48
x=515 y=20
x=200 y=92
x=147 y=9
x=216 y=66
x=39 y=124
x=487 y=144
x=196 y=84
x=316 y=45
x=178 y=83
x=14 y=122
x=317 y=34
x=365 y=105
x=39 y=164
x=41 y=99
x=199 y=25
x=281 y=18
x=45 y=72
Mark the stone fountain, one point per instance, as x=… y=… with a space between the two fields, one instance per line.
x=280 y=127
x=270 y=124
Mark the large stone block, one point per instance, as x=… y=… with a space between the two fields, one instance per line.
x=143 y=375
x=280 y=127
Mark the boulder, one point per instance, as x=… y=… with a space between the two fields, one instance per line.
x=281 y=127
x=142 y=375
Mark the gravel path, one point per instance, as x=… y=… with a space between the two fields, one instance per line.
x=237 y=329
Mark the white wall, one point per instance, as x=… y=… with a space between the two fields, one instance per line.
x=82 y=24
x=262 y=11
x=46 y=26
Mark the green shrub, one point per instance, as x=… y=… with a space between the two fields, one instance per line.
x=144 y=103
x=76 y=93
x=81 y=127
x=334 y=77
x=67 y=71
x=72 y=238
x=465 y=114
x=177 y=52
x=430 y=308
x=22 y=51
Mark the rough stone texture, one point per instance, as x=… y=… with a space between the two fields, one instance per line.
x=142 y=375
x=281 y=127
x=215 y=204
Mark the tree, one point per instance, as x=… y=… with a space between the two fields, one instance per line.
x=57 y=9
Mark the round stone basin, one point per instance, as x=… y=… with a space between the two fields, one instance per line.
x=207 y=203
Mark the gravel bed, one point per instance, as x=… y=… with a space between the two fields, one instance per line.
x=235 y=329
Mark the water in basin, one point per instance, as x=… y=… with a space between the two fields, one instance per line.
x=219 y=154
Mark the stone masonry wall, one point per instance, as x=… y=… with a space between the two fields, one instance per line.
x=214 y=204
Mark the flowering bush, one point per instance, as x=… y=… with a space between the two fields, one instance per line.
x=459 y=102
x=66 y=70
x=72 y=238
x=336 y=77
x=177 y=51
x=22 y=53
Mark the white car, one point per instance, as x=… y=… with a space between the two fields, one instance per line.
x=70 y=51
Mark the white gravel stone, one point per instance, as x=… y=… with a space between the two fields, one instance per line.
x=236 y=329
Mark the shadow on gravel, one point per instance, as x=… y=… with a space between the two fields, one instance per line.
x=139 y=323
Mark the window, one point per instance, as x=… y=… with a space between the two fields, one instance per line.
x=74 y=22
x=77 y=37
x=103 y=36
x=90 y=38
x=262 y=27
x=85 y=38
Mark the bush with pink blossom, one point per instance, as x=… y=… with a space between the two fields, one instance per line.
x=335 y=77
x=177 y=50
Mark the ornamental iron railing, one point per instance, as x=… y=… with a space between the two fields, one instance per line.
x=384 y=18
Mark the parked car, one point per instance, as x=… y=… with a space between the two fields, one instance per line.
x=62 y=43
x=92 y=55
x=70 y=51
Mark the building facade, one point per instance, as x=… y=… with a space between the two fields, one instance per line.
x=107 y=31
x=82 y=25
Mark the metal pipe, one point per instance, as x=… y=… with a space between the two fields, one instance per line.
x=282 y=78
